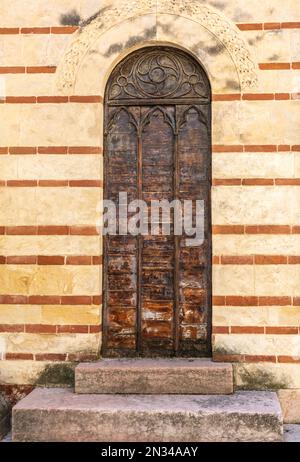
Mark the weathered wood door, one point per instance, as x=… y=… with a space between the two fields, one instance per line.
x=157 y=290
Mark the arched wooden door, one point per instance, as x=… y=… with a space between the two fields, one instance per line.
x=157 y=290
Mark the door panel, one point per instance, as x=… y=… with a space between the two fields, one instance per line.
x=157 y=288
x=194 y=281
x=120 y=283
x=157 y=267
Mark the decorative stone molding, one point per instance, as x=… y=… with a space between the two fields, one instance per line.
x=115 y=12
x=223 y=28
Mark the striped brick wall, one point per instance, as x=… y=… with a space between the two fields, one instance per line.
x=51 y=183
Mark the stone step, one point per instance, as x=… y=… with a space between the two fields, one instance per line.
x=291 y=433
x=154 y=376
x=4 y=417
x=60 y=415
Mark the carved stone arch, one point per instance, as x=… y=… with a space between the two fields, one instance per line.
x=121 y=26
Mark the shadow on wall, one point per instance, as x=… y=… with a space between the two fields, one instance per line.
x=73 y=18
x=134 y=40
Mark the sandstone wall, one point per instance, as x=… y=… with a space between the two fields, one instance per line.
x=52 y=79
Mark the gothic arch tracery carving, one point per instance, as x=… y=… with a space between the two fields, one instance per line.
x=160 y=73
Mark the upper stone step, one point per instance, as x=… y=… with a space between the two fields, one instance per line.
x=61 y=415
x=154 y=376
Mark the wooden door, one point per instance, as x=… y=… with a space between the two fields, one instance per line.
x=157 y=289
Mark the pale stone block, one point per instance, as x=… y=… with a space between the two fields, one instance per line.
x=256 y=244
x=258 y=11
x=256 y=316
x=277 y=280
x=2 y=88
x=295 y=44
x=21 y=372
x=51 y=124
x=51 y=314
x=258 y=344
x=8 y=167
x=283 y=316
x=225 y=123
x=50 y=206
x=238 y=316
x=51 y=245
x=255 y=205
x=254 y=165
x=10 y=125
x=50 y=280
x=42 y=50
x=290 y=404
x=52 y=343
x=33 y=13
x=256 y=122
x=266 y=376
x=51 y=167
x=266 y=280
x=266 y=122
x=30 y=84
x=279 y=81
x=16 y=206
x=90 y=7
x=11 y=50
x=18 y=314
x=233 y=280
x=81 y=315
x=296 y=206
x=80 y=207
x=33 y=49
x=58 y=124
x=297 y=165
x=270 y=45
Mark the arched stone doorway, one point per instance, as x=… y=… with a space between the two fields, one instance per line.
x=157 y=130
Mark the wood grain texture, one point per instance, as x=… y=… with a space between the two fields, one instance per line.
x=157 y=288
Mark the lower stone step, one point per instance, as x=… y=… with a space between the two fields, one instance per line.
x=154 y=376
x=4 y=417
x=55 y=415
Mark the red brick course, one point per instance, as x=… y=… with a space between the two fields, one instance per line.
x=50 y=328
x=50 y=299
x=240 y=300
